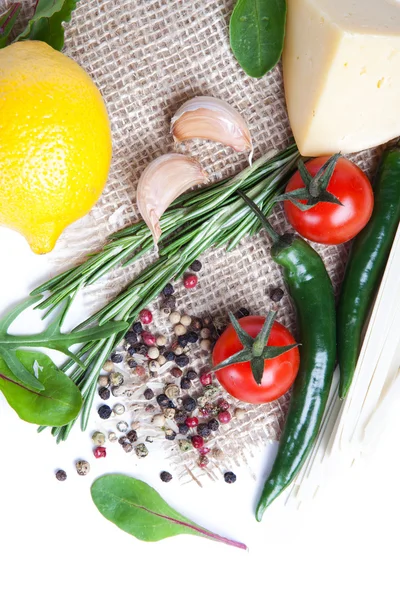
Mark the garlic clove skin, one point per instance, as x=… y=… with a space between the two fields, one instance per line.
x=213 y=119
x=162 y=181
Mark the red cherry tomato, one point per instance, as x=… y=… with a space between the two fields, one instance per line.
x=279 y=373
x=329 y=223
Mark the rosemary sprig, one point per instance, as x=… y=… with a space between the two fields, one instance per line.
x=215 y=216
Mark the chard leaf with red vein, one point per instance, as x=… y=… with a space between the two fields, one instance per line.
x=7 y=22
x=135 y=507
x=58 y=403
x=46 y=24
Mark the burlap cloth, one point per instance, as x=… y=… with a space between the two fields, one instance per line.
x=148 y=57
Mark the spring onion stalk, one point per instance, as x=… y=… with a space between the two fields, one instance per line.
x=214 y=216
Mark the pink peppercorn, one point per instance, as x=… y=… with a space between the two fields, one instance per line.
x=145 y=316
x=224 y=416
x=204 y=450
x=148 y=338
x=140 y=371
x=192 y=421
x=206 y=379
x=203 y=462
x=205 y=412
x=100 y=452
x=190 y=281
x=223 y=404
x=197 y=441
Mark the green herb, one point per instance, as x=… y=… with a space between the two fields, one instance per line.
x=194 y=222
x=57 y=404
x=257 y=30
x=46 y=24
x=138 y=509
x=51 y=337
x=7 y=22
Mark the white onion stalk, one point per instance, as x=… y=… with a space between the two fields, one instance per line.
x=163 y=180
x=209 y=118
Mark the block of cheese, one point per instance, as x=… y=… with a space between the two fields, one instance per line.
x=341 y=69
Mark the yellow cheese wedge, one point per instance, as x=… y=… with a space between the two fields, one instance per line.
x=341 y=68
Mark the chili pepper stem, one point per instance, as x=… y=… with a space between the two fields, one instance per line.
x=269 y=229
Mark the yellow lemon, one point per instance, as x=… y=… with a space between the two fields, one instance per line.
x=55 y=142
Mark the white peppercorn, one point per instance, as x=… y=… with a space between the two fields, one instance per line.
x=116 y=379
x=178 y=350
x=172 y=391
x=161 y=360
x=180 y=329
x=82 y=467
x=112 y=437
x=103 y=381
x=205 y=345
x=153 y=366
x=161 y=340
x=239 y=414
x=118 y=409
x=98 y=438
x=205 y=333
x=174 y=317
x=186 y=320
x=153 y=352
x=122 y=426
x=108 y=366
x=169 y=413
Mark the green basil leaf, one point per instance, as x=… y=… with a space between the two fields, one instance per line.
x=46 y=24
x=7 y=22
x=57 y=404
x=257 y=30
x=138 y=509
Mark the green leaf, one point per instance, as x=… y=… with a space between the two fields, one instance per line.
x=46 y=24
x=138 y=509
x=274 y=351
x=262 y=338
x=257 y=30
x=240 y=357
x=245 y=339
x=58 y=403
x=7 y=22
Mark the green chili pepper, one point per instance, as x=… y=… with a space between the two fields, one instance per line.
x=311 y=290
x=366 y=264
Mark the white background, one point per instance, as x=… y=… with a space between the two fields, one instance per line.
x=54 y=543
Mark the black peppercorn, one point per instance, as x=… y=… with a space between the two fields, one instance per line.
x=169 y=355
x=196 y=324
x=196 y=266
x=132 y=435
x=132 y=364
x=242 y=312
x=182 y=360
x=163 y=400
x=203 y=430
x=131 y=337
x=165 y=476
x=183 y=340
x=148 y=394
x=171 y=404
x=183 y=428
x=123 y=440
x=104 y=411
x=180 y=416
x=104 y=393
x=191 y=375
x=61 y=475
x=132 y=350
x=169 y=302
x=137 y=327
x=192 y=337
x=116 y=357
x=185 y=383
x=276 y=294
x=189 y=404
x=230 y=477
x=170 y=434
x=168 y=290
x=213 y=425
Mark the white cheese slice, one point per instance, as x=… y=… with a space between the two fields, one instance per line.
x=341 y=68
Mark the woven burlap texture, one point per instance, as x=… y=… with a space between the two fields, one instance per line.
x=148 y=57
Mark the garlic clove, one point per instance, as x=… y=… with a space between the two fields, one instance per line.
x=163 y=180
x=209 y=118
